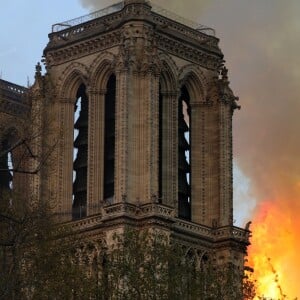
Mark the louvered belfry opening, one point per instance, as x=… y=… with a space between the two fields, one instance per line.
x=80 y=154
x=6 y=176
x=184 y=156
x=109 y=140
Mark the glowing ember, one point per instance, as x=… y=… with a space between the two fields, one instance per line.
x=274 y=249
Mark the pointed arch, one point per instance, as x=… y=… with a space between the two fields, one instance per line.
x=80 y=153
x=72 y=87
x=72 y=77
x=193 y=90
x=109 y=139
x=195 y=81
x=184 y=154
x=167 y=106
x=102 y=92
x=101 y=70
x=169 y=73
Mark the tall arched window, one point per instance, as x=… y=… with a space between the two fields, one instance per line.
x=109 y=140
x=6 y=166
x=184 y=155
x=80 y=154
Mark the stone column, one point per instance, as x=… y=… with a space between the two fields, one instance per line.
x=139 y=144
x=205 y=163
x=169 y=148
x=153 y=133
x=64 y=178
x=226 y=192
x=138 y=54
x=95 y=151
x=121 y=137
x=35 y=129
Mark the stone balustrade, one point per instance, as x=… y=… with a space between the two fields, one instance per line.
x=158 y=210
x=13 y=98
x=220 y=233
x=138 y=211
x=100 y=20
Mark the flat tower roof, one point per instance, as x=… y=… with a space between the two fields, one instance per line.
x=119 y=6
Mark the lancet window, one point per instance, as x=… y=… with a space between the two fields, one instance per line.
x=6 y=166
x=80 y=154
x=184 y=155
x=109 y=139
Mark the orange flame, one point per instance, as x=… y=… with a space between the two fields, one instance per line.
x=274 y=250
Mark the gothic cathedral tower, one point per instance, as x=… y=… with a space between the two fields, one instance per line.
x=138 y=111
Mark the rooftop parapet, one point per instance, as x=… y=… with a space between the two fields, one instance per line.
x=89 y=17
x=119 y=6
x=12 y=88
x=114 y=15
x=134 y=212
x=13 y=98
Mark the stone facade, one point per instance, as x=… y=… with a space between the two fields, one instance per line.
x=152 y=59
x=14 y=113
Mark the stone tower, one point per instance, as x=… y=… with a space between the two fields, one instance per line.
x=137 y=110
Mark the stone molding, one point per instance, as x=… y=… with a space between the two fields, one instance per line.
x=109 y=40
x=83 y=48
x=12 y=89
x=108 y=31
x=215 y=234
x=138 y=211
x=141 y=11
x=85 y=223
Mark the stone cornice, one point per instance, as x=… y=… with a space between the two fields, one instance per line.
x=206 y=59
x=138 y=211
x=72 y=51
x=107 y=32
x=13 y=99
x=206 y=103
x=86 y=223
x=144 y=212
x=174 y=28
x=218 y=234
x=12 y=88
x=188 y=52
x=133 y=11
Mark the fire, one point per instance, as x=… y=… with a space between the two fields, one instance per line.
x=274 y=250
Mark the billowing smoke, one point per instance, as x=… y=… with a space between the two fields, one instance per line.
x=179 y=7
x=96 y=4
x=260 y=40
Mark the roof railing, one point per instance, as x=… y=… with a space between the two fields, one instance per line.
x=119 y=6
x=173 y=16
x=11 y=87
x=92 y=16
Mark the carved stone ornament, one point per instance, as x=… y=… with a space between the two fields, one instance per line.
x=225 y=92
x=138 y=51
